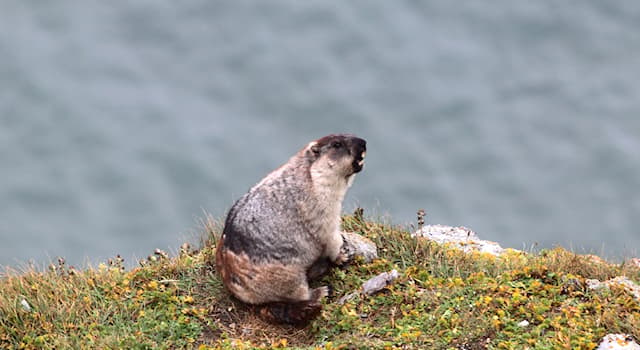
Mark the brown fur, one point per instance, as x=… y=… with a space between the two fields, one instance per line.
x=258 y=284
x=263 y=283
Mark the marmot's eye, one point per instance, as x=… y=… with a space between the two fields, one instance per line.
x=336 y=144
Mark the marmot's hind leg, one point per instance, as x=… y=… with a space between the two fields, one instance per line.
x=297 y=312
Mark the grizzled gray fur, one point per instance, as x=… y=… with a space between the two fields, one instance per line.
x=287 y=227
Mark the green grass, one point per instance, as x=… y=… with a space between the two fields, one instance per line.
x=443 y=299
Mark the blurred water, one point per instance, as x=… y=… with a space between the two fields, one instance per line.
x=120 y=124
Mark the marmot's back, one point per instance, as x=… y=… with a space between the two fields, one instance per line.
x=257 y=223
x=285 y=224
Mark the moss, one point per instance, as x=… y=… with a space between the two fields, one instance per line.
x=443 y=299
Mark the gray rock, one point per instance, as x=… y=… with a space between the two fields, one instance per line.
x=372 y=286
x=356 y=245
x=378 y=282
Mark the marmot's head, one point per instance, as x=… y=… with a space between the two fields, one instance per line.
x=339 y=155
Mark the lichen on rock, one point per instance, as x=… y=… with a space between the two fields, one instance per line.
x=355 y=245
x=622 y=281
x=460 y=237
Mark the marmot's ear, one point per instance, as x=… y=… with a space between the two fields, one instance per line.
x=314 y=148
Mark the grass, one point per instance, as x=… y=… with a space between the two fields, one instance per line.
x=443 y=299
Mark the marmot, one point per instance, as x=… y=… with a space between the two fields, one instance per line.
x=286 y=230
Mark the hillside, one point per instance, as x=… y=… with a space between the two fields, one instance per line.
x=443 y=298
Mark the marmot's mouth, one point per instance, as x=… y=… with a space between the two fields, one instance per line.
x=358 y=163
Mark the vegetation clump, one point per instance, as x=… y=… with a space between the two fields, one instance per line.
x=443 y=299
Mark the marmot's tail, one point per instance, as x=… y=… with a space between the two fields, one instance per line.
x=295 y=313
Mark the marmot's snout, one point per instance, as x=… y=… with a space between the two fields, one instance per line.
x=359 y=150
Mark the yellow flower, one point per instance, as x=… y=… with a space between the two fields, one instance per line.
x=496 y=322
x=282 y=343
x=349 y=312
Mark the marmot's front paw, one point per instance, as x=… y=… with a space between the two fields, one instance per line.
x=341 y=259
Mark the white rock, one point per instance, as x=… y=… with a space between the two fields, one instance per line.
x=523 y=324
x=623 y=281
x=25 y=305
x=629 y=285
x=618 y=342
x=461 y=237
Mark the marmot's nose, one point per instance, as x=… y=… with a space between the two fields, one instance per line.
x=359 y=144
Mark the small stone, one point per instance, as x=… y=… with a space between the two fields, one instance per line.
x=25 y=305
x=523 y=324
x=378 y=282
x=346 y=298
x=594 y=284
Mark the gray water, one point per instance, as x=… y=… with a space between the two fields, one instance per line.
x=122 y=123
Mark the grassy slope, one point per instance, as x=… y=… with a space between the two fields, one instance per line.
x=442 y=299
